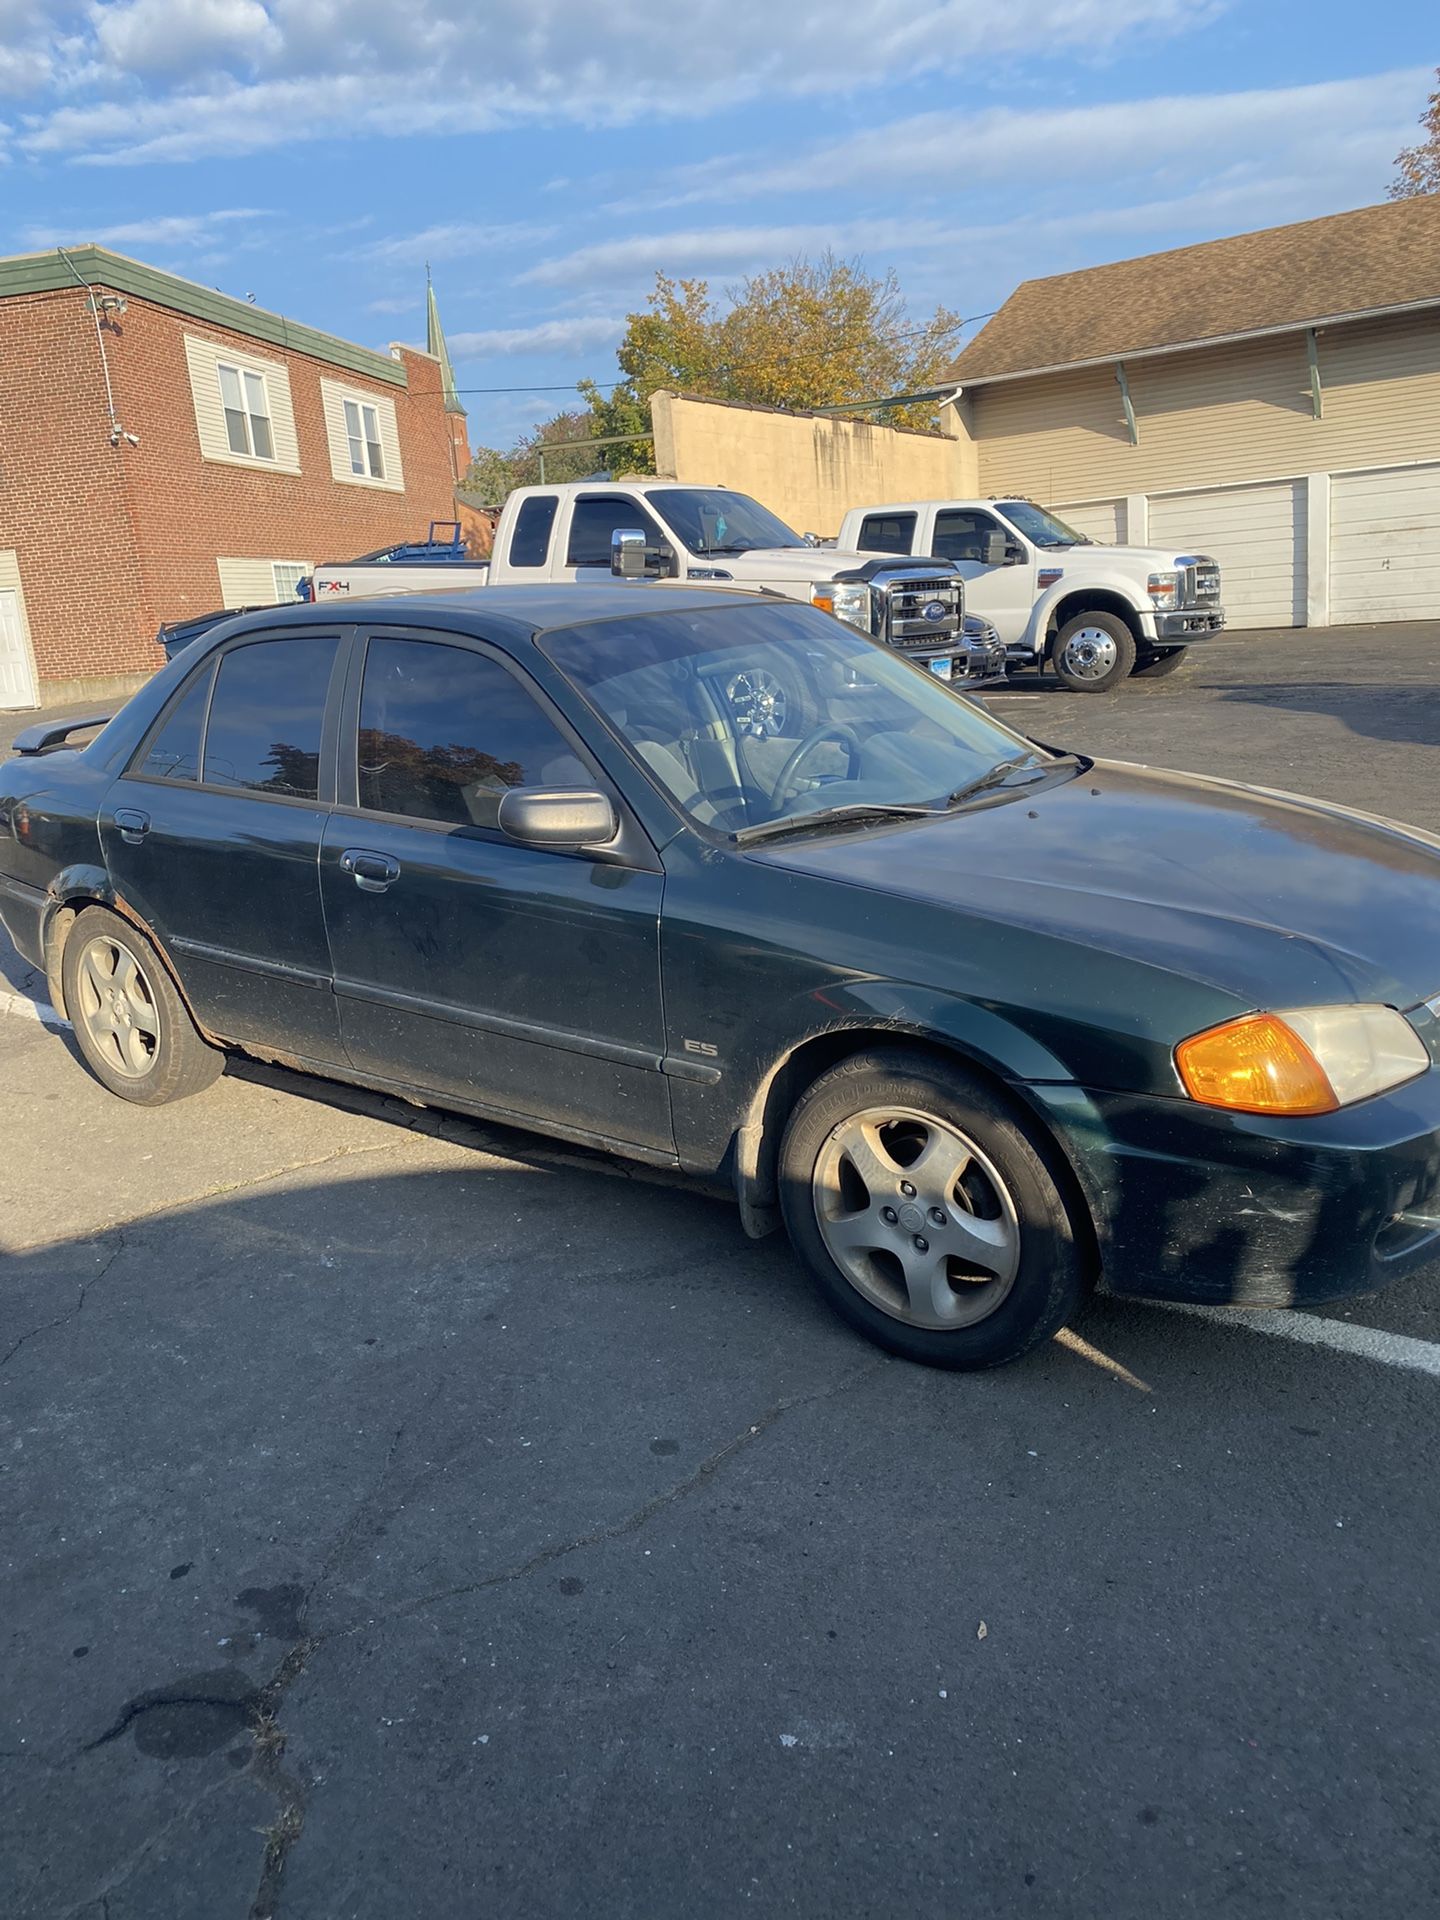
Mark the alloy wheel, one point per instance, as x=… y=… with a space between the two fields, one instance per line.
x=118 y=1008
x=917 y=1217
x=1090 y=653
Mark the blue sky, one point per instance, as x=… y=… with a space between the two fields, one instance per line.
x=549 y=156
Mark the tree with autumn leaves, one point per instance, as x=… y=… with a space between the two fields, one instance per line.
x=1417 y=168
x=815 y=333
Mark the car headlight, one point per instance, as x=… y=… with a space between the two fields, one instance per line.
x=1167 y=589
x=848 y=600
x=1306 y=1060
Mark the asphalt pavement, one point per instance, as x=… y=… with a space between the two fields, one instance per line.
x=403 y=1516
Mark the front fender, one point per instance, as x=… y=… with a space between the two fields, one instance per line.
x=1043 y=611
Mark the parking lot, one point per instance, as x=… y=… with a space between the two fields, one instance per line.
x=409 y=1516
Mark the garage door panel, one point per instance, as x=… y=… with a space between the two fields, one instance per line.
x=1385 y=544
x=1258 y=536
x=1102 y=520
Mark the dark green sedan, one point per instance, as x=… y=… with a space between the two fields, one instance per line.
x=713 y=882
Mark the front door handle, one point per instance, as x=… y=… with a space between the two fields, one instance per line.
x=133 y=825
x=371 y=872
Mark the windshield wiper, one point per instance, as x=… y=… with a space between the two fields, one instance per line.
x=999 y=774
x=852 y=811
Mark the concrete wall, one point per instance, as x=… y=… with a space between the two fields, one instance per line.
x=809 y=468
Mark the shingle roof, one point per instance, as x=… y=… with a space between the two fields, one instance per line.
x=1369 y=261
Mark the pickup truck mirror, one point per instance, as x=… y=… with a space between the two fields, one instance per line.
x=995 y=550
x=558 y=817
x=632 y=557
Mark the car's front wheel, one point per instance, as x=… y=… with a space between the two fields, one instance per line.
x=130 y=1023
x=927 y=1212
x=1093 y=653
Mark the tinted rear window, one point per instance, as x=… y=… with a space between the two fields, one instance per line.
x=530 y=541
x=887 y=533
x=266 y=717
x=174 y=752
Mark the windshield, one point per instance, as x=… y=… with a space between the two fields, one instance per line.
x=1041 y=527
x=751 y=714
x=715 y=520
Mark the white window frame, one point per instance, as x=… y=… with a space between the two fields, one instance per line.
x=285 y=597
x=362 y=430
x=250 y=386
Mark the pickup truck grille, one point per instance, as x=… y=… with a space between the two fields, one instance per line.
x=908 y=619
x=1202 y=584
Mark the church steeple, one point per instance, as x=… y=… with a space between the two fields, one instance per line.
x=435 y=343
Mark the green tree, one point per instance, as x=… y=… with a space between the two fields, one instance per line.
x=1417 y=168
x=814 y=333
x=493 y=473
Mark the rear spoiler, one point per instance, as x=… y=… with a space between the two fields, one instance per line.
x=54 y=733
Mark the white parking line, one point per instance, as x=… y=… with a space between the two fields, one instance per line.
x=1342 y=1336
x=26 y=1009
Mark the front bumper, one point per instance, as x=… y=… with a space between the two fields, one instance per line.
x=1189 y=623
x=1233 y=1209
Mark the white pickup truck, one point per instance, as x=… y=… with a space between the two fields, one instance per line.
x=1095 y=613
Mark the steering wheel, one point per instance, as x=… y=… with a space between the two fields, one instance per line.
x=785 y=782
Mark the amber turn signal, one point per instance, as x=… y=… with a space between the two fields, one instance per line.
x=1254 y=1065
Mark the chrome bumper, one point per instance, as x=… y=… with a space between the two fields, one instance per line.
x=1189 y=623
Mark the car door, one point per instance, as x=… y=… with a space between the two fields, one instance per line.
x=212 y=835
x=519 y=979
x=1003 y=594
x=594 y=519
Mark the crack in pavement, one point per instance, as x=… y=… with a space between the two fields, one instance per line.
x=632 y=1522
x=86 y=1288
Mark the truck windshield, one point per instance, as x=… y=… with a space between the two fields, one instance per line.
x=714 y=520
x=1041 y=527
x=757 y=713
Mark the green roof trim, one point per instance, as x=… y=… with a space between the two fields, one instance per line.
x=47 y=273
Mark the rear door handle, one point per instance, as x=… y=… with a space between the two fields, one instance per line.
x=371 y=872
x=133 y=825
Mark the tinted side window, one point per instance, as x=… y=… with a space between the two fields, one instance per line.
x=887 y=532
x=530 y=541
x=266 y=717
x=174 y=752
x=443 y=733
x=960 y=533
x=595 y=518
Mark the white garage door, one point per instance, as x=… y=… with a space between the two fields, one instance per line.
x=1258 y=536
x=17 y=677
x=1098 y=519
x=1385 y=545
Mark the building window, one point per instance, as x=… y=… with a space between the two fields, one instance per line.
x=362 y=429
x=287 y=575
x=247 y=412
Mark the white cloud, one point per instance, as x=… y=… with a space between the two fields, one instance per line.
x=157 y=230
x=170 y=79
x=454 y=241
x=409 y=304
x=704 y=250
x=1055 y=147
x=575 y=335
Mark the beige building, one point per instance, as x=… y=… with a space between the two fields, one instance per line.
x=1272 y=399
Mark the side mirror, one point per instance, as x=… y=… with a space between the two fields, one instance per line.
x=994 y=550
x=633 y=558
x=559 y=817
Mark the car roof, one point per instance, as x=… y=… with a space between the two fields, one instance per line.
x=495 y=613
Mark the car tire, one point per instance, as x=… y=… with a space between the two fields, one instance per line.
x=1163 y=661
x=130 y=1024
x=1004 y=1269
x=1093 y=653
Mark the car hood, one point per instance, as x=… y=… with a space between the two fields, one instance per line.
x=1278 y=900
x=805 y=563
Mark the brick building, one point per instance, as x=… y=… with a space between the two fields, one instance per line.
x=166 y=449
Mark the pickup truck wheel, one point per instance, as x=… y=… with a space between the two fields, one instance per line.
x=130 y=1023
x=926 y=1210
x=1093 y=653
x=1161 y=661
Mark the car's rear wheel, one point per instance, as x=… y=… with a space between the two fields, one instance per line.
x=927 y=1212
x=130 y=1023
x=1093 y=653
x=1160 y=661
